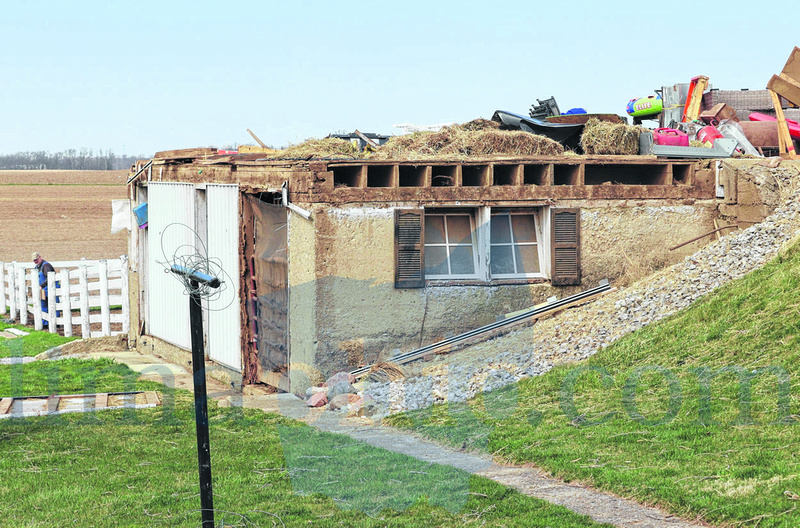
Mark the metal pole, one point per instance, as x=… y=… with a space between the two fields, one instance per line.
x=703 y=236
x=201 y=407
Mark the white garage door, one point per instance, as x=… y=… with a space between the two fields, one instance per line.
x=224 y=326
x=171 y=220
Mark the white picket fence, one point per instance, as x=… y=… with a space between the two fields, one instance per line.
x=79 y=286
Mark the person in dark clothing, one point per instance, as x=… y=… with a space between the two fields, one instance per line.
x=44 y=268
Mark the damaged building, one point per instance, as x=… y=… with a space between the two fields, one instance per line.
x=332 y=264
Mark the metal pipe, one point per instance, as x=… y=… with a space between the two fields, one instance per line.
x=604 y=286
x=201 y=408
x=196 y=276
x=702 y=236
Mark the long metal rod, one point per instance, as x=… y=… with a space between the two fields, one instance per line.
x=139 y=172
x=401 y=358
x=201 y=408
x=702 y=236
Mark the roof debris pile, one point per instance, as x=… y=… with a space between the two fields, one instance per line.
x=603 y=137
x=479 y=137
x=693 y=120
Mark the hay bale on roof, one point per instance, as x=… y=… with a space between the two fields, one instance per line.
x=603 y=137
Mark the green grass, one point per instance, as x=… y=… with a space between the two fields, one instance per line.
x=658 y=434
x=139 y=468
x=33 y=344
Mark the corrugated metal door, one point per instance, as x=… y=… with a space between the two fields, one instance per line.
x=170 y=211
x=224 y=325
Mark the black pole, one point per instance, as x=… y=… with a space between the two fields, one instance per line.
x=201 y=407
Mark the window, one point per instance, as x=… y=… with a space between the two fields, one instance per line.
x=487 y=244
x=450 y=246
x=514 y=245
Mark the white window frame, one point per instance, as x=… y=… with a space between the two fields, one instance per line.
x=537 y=226
x=541 y=242
x=480 y=222
x=476 y=243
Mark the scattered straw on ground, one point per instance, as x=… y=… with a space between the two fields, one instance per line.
x=382 y=372
x=321 y=148
x=476 y=138
x=601 y=137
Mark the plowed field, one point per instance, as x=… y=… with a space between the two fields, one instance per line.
x=64 y=215
x=51 y=177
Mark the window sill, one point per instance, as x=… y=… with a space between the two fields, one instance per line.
x=436 y=283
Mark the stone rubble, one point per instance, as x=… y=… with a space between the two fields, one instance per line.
x=579 y=333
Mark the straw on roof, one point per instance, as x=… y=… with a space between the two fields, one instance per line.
x=321 y=148
x=602 y=137
x=479 y=137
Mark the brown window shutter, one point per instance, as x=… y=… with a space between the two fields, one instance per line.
x=565 y=225
x=409 y=248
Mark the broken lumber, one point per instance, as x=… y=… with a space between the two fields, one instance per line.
x=190 y=153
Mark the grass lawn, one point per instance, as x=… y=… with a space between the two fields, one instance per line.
x=697 y=413
x=139 y=468
x=33 y=344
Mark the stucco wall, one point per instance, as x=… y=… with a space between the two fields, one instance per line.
x=624 y=242
x=356 y=298
x=302 y=243
x=348 y=253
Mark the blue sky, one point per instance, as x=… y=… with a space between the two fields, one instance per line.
x=145 y=76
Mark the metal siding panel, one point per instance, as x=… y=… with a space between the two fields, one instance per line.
x=168 y=303
x=224 y=325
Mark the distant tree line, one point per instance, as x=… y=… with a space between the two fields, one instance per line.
x=71 y=159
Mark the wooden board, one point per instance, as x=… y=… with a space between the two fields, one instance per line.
x=786 y=87
x=186 y=153
x=784 y=137
x=52 y=403
x=101 y=401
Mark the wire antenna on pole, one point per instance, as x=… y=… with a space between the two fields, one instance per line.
x=194 y=257
x=201 y=279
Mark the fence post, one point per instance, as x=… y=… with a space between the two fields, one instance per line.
x=105 y=313
x=22 y=296
x=36 y=293
x=66 y=302
x=51 y=302
x=12 y=288
x=2 y=288
x=126 y=312
x=84 y=290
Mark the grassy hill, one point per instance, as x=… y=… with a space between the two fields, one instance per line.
x=697 y=413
